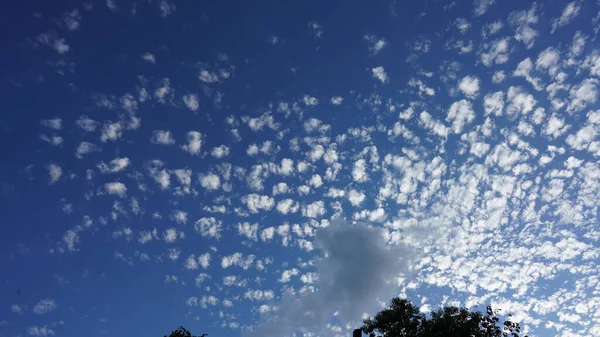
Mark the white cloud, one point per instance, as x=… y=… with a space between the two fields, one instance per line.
x=204 y=260
x=44 y=306
x=209 y=227
x=498 y=77
x=256 y=203
x=314 y=210
x=379 y=73
x=18 y=309
x=310 y=101
x=86 y=123
x=195 y=141
x=469 y=85
x=356 y=197
x=286 y=206
x=114 y=166
x=432 y=124
x=220 y=151
x=166 y=8
x=191 y=263
x=162 y=137
x=35 y=330
x=116 y=188
x=582 y=95
x=208 y=76
x=375 y=43
x=555 y=126
x=171 y=235
x=482 y=6
x=494 y=103
x=359 y=171
x=84 y=148
x=522 y=21
x=164 y=92
x=180 y=217
x=248 y=230
x=148 y=57
x=191 y=102
x=111 y=131
x=210 y=181
x=315 y=29
x=336 y=100
x=462 y=25
x=460 y=114
x=54 y=123
x=55 y=172
x=495 y=52
x=569 y=13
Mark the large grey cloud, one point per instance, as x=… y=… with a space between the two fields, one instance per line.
x=356 y=269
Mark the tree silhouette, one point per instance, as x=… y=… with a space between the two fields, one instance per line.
x=403 y=319
x=183 y=332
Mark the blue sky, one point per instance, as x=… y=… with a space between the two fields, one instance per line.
x=227 y=166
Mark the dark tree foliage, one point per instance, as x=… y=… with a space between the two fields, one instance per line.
x=183 y=332
x=403 y=319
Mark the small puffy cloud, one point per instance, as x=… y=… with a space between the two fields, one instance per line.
x=248 y=230
x=209 y=227
x=55 y=172
x=148 y=57
x=433 y=124
x=166 y=8
x=314 y=210
x=210 y=181
x=287 y=206
x=469 y=86
x=191 y=102
x=582 y=95
x=462 y=25
x=555 y=126
x=460 y=114
x=114 y=166
x=116 y=188
x=356 y=197
x=191 y=263
x=85 y=148
x=336 y=100
x=204 y=260
x=310 y=101
x=522 y=21
x=180 y=217
x=111 y=131
x=220 y=151
x=70 y=239
x=569 y=13
x=359 y=171
x=54 y=123
x=162 y=137
x=164 y=92
x=194 y=145
x=482 y=6
x=256 y=203
x=18 y=309
x=375 y=44
x=495 y=52
x=315 y=29
x=208 y=76
x=87 y=124
x=35 y=330
x=498 y=77
x=380 y=74
x=44 y=306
